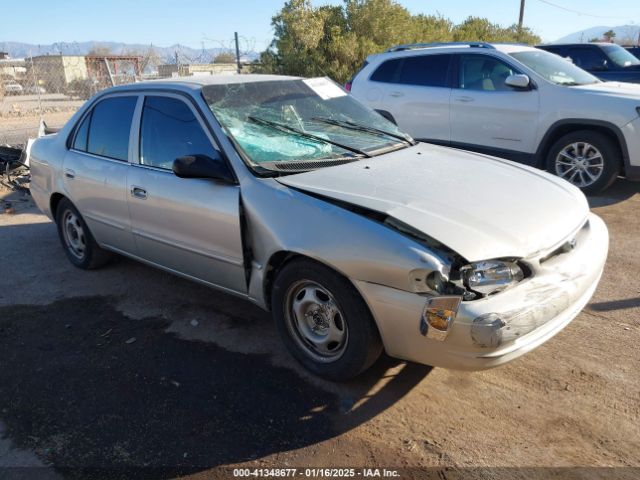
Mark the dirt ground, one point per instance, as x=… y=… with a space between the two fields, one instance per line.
x=130 y=372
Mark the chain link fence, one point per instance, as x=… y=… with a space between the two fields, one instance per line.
x=52 y=87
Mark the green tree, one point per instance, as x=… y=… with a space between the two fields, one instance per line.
x=335 y=40
x=481 y=29
x=609 y=36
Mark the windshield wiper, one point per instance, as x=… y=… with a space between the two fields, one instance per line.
x=293 y=131
x=362 y=128
x=578 y=84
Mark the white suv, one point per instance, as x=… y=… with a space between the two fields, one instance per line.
x=511 y=101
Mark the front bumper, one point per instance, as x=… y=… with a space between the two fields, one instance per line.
x=631 y=133
x=532 y=311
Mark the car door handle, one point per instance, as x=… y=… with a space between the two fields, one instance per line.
x=69 y=173
x=396 y=94
x=464 y=99
x=138 y=192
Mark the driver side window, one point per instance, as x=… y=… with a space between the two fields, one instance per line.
x=484 y=73
x=169 y=130
x=588 y=58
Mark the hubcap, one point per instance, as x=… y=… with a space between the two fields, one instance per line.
x=580 y=163
x=73 y=234
x=315 y=321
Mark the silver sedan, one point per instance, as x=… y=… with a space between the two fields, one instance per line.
x=291 y=194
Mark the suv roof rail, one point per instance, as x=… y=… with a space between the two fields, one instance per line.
x=413 y=46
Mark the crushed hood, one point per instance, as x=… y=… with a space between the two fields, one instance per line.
x=479 y=206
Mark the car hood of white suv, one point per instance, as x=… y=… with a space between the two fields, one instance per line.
x=481 y=207
x=612 y=88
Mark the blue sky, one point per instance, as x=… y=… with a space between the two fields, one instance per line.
x=192 y=22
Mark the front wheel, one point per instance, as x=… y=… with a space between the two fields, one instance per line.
x=587 y=159
x=323 y=321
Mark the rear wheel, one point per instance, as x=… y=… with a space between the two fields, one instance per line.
x=587 y=159
x=77 y=241
x=323 y=321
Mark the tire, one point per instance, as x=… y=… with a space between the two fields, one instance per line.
x=592 y=166
x=77 y=241
x=338 y=313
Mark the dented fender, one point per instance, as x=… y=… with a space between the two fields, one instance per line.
x=282 y=219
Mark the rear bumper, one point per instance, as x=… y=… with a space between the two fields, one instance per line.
x=41 y=199
x=532 y=312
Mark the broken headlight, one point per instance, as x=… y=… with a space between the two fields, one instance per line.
x=491 y=276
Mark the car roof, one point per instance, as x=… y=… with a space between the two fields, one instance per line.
x=514 y=47
x=199 y=81
x=409 y=50
x=596 y=44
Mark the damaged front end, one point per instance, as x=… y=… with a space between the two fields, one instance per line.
x=480 y=306
x=431 y=304
x=449 y=278
x=449 y=332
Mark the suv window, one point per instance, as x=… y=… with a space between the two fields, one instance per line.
x=169 y=130
x=481 y=72
x=108 y=127
x=588 y=58
x=425 y=70
x=619 y=56
x=387 y=71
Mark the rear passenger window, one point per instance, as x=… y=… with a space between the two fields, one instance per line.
x=426 y=70
x=170 y=130
x=80 y=142
x=109 y=127
x=387 y=71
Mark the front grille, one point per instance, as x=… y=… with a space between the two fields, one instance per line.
x=567 y=246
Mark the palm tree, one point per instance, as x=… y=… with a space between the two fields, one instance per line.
x=609 y=36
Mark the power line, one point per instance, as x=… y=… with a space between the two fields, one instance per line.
x=577 y=12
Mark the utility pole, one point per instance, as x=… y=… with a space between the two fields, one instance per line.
x=237 y=51
x=521 y=20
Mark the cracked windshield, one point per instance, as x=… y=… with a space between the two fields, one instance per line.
x=275 y=123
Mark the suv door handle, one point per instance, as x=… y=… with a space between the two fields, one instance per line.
x=464 y=99
x=69 y=173
x=138 y=192
x=396 y=94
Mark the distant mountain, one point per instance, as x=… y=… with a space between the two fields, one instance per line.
x=165 y=54
x=625 y=34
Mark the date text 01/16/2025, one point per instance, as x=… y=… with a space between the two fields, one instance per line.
x=315 y=472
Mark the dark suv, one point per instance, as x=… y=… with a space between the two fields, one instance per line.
x=607 y=61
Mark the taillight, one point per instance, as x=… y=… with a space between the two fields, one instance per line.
x=347 y=86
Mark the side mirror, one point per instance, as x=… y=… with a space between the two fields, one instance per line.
x=202 y=166
x=518 y=81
